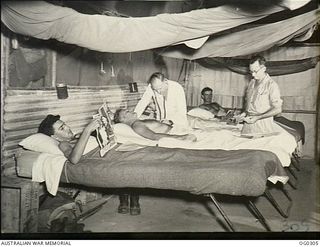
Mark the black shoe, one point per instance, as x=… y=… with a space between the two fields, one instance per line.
x=124 y=204
x=134 y=205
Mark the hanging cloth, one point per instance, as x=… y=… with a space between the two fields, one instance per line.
x=249 y=41
x=274 y=68
x=103 y=33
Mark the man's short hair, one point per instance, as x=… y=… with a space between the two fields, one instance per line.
x=46 y=126
x=156 y=75
x=205 y=90
x=260 y=59
x=117 y=117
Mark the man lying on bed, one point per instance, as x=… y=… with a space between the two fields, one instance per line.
x=73 y=147
x=70 y=144
x=209 y=105
x=148 y=128
x=282 y=144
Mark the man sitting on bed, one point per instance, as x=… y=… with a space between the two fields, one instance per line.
x=70 y=144
x=213 y=107
x=148 y=128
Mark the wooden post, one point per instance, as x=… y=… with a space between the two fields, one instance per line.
x=318 y=128
x=5 y=46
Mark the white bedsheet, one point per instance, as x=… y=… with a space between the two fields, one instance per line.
x=217 y=135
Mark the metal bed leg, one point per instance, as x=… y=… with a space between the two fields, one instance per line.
x=222 y=212
x=292 y=172
x=294 y=186
x=276 y=205
x=285 y=192
x=258 y=214
x=296 y=162
x=43 y=198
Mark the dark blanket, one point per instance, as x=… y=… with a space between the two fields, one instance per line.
x=239 y=172
x=296 y=128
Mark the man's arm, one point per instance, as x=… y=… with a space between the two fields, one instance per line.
x=74 y=154
x=144 y=101
x=214 y=108
x=140 y=128
x=206 y=107
x=275 y=110
x=156 y=126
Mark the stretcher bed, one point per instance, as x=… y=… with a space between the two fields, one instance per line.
x=207 y=172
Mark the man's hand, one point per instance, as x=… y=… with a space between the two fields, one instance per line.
x=167 y=121
x=251 y=119
x=95 y=123
x=191 y=137
x=240 y=118
x=208 y=108
x=77 y=136
x=221 y=113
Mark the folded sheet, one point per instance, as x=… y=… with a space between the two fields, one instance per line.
x=48 y=168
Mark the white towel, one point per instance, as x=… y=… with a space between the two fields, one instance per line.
x=48 y=168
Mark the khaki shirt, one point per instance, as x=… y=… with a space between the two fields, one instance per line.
x=260 y=99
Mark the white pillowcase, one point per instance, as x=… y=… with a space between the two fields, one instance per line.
x=125 y=134
x=45 y=144
x=41 y=143
x=201 y=113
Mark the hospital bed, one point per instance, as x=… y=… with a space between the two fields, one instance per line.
x=202 y=172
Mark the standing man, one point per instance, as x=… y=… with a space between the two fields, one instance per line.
x=263 y=100
x=213 y=107
x=169 y=99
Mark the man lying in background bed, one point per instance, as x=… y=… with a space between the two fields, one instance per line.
x=213 y=107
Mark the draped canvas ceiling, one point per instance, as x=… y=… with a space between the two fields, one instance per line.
x=199 y=31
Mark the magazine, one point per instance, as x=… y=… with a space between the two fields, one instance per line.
x=105 y=135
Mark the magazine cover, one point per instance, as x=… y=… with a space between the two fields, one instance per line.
x=105 y=135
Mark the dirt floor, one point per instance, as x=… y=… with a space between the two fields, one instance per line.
x=174 y=211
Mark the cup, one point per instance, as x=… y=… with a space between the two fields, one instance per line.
x=133 y=87
x=62 y=91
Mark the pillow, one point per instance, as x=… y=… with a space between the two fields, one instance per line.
x=45 y=144
x=41 y=143
x=201 y=113
x=125 y=134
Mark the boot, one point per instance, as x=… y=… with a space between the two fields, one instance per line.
x=134 y=205
x=124 y=204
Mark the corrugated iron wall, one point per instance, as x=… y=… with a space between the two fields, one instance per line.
x=25 y=109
